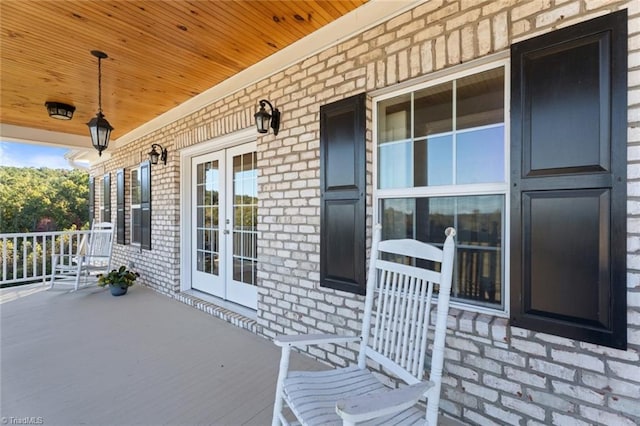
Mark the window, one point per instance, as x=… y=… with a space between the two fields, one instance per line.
x=105 y=207
x=441 y=161
x=120 y=212
x=141 y=205
x=136 y=212
x=92 y=199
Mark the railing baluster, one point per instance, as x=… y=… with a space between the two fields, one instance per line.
x=4 y=258
x=44 y=258
x=34 y=250
x=42 y=246
x=15 y=257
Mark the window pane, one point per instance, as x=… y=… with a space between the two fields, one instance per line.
x=478 y=221
x=480 y=99
x=394 y=165
x=136 y=225
x=397 y=218
x=436 y=153
x=480 y=156
x=394 y=119
x=135 y=187
x=433 y=110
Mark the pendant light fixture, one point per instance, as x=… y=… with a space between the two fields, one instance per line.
x=99 y=127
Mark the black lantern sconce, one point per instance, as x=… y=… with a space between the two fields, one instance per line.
x=99 y=127
x=263 y=118
x=155 y=155
x=59 y=110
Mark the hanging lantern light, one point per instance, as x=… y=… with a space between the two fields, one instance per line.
x=264 y=120
x=99 y=127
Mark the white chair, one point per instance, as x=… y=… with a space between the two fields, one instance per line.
x=395 y=335
x=93 y=257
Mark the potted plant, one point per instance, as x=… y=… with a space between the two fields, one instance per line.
x=119 y=280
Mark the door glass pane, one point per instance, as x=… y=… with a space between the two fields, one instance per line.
x=245 y=217
x=207 y=188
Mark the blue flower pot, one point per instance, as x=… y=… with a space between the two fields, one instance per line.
x=116 y=290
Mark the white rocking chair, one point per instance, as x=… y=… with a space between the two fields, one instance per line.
x=93 y=257
x=397 y=315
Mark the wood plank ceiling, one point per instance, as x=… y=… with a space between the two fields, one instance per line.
x=161 y=53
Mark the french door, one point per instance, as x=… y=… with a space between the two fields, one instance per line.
x=224 y=224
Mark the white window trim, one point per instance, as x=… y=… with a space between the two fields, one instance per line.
x=500 y=60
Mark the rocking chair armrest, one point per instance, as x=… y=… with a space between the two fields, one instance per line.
x=367 y=407
x=299 y=340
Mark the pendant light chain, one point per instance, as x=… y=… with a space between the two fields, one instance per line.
x=100 y=85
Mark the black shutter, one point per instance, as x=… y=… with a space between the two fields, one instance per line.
x=120 y=216
x=106 y=197
x=342 y=197
x=568 y=158
x=145 y=205
x=92 y=199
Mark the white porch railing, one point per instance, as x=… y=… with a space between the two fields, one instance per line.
x=27 y=257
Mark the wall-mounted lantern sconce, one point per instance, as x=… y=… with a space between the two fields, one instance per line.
x=59 y=110
x=99 y=127
x=155 y=155
x=263 y=118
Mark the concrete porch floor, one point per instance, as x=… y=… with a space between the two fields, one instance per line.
x=89 y=358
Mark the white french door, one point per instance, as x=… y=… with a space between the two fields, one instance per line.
x=224 y=224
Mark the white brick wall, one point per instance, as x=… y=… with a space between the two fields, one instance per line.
x=495 y=374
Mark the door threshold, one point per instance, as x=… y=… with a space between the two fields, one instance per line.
x=230 y=312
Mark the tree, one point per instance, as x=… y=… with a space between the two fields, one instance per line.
x=42 y=199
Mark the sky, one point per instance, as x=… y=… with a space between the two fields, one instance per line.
x=27 y=155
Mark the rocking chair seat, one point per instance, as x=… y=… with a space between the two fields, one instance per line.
x=313 y=396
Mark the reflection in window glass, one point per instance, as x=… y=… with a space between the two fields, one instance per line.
x=245 y=217
x=442 y=148
x=480 y=99
x=438 y=158
x=394 y=166
x=457 y=137
x=433 y=110
x=207 y=213
x=394 y=117
x=479 y=225
x=480 y=156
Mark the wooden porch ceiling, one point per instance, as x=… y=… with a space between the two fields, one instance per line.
x=161 y=53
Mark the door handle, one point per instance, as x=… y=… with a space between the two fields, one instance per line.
x=226 y=232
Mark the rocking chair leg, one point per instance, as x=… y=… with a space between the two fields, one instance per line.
x=54 y=265
x=282 y=374
x=78 y=274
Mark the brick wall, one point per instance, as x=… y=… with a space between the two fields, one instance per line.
x=495 y=374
